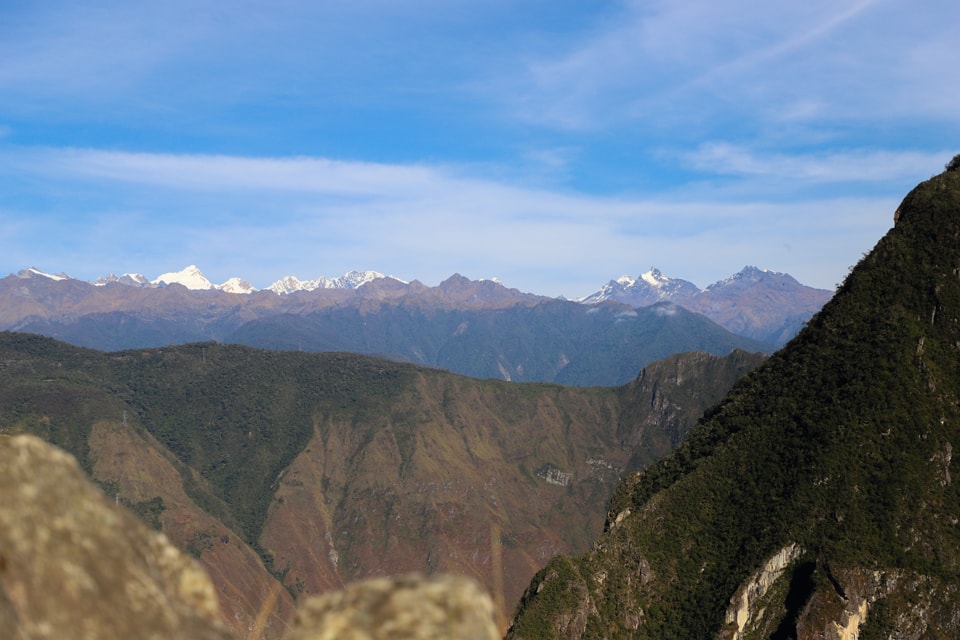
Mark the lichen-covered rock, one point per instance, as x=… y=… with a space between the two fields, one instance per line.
x=73 y=565
x=405 y=608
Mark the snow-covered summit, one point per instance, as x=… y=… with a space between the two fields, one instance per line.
x=32 y=272
x=236 y=285
x=750 y=275
x=646 y=289
x=190 y=277
x=129 y=279
x=349 y=280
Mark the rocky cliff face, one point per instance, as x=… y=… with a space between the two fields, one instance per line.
x=816 y=500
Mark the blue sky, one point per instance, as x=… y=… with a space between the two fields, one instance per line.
x=555 y=145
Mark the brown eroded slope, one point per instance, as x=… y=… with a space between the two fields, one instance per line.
x=448 y=483
x=140 y=472
x=333 y=467
x=483 y=478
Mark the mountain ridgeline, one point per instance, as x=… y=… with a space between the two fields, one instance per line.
x=755 y=303
x=476 y=328
x=817 y=499
x=290 y=473
x=554 y=341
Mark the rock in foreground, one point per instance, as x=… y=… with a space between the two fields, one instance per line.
x=74 y=566
x=405 y=608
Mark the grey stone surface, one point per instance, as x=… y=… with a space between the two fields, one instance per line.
x=74 y=565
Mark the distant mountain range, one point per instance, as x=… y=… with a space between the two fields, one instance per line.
x=760 y=304
x=475 y=328
x=192 y=278
x=764 y=305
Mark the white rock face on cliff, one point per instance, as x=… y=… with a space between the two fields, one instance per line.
x=742 y=610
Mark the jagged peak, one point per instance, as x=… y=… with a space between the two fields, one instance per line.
x=128 y=279
x=31 y=272
x=751 y=274
x=349 y=280
x=190 y=277
x=655 y=278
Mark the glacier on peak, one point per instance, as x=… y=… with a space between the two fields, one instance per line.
x=236 y=285
x=349 y=280
x=646 y=289
x=192 y=278
x=129 y=279
x=653 y=286
x=33 y=271
x=655 y=278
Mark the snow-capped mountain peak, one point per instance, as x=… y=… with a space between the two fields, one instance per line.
x=349 y=280
x=750 y=275
x=190 y=277
x=289 y=284
x=648 y=288
x=655 y=278
x=236 y=285
x=33 y=272
x=354 y=279
x=129 y=279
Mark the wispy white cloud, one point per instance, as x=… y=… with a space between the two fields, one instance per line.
x=695 y=65
x=263 y=218
x=818 y=167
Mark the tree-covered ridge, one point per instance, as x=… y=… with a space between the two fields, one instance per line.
x=841 y=443
x=323 y=468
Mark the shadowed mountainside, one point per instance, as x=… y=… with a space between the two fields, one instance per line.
x=816 y=500
x=289 y=473
x=760 y=304
x=475 y=328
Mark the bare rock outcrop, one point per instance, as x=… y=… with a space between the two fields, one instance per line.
x=73 y=565
x=409 y=607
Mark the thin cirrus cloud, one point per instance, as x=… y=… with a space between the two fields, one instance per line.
x=824 y=167
x=763 y=61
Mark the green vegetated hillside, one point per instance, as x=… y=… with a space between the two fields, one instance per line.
x=475 y=328
x=817 y=499
x=289 y=473
x=554 y=341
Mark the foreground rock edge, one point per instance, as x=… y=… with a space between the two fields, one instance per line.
x=74 y=565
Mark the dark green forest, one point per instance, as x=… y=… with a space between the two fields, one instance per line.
x=841 y=443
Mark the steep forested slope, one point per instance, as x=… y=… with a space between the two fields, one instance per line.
x=817 y=499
